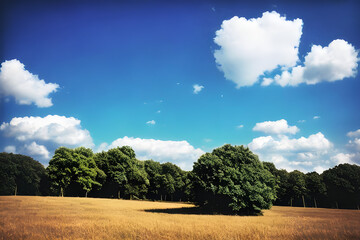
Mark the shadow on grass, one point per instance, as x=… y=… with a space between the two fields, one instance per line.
x=195 y=211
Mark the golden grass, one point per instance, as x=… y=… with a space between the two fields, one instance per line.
x=24 y=217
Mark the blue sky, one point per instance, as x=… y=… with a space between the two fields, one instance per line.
x=124 y=73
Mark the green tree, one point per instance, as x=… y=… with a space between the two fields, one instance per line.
x=73 y=170
x=232 y=179
x=86 y=170
x=61 y=169
x=298 y=186
x=315 y=186
x=343 y=185
x=20 y=174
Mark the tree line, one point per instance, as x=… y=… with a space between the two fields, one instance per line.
x=230 y=178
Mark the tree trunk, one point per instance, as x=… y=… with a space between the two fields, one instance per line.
x=337 y=206
x=303 y=200
x=15 y=189
x=119 y=194
x=315 y=202
x=161 y=197
x=86 y=193
x=165 y=197
x=62 y=192
x=291 y=202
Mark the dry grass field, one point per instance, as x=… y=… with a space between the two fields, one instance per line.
x=86 y=218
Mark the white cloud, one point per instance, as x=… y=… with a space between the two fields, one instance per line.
x=343 y=158
x=319 y=169
x=240 y=126
x=197 y=88
x=301 y=121
x=10 y=149
x=302 y=153
x=38 y=150
x=323 y=64
x=314 y=143
x=151 y=122
x=316 y=117
x=26 y=87
x=266 y=82
x=354 y=133
x=250 y=48
x=55 y=129
x=158 y=111
x=355 y=144
x=102 y=147
x=179 y=152
x=276 y=127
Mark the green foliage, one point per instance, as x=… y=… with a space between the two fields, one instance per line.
x=73 y=166
x=125 y=176
x=20 y=173
x=232 y=179
x=343 y=185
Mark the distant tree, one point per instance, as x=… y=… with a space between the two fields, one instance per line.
x=73 y=170
x=86 y=170
x=297 y=186
x=175 y=180
x=232 y=179
x=343 y=185
x=61 y=169
x=125 y=175
x=20 y=174
x=315 y=186
x=154 y=172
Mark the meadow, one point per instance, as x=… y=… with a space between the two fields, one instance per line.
x=27 y=217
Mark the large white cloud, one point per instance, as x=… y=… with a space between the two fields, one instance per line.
x=276 y=127
x=332 y=63
x=56 y=129
x=179 y=152
x=39 y=137
x=314 y=143
x=305 y=154
x=26 y=87
x=251 y=47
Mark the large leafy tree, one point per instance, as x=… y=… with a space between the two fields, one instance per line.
x=75 y=168
x=61 y=169
x=20 y=174
x=343 y=185
x=125 y=175
x=232 y=179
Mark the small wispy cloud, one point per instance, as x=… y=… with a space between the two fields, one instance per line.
x=151 y=122
x=316 y=117
x=207 y=140
x=158 y=111
x=240 y=126
x=301 y=121
x=197 y=88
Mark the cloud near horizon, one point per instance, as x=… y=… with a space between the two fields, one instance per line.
x=180 y=153
x=39 y=136
x=24 y=86
x=304 y=153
